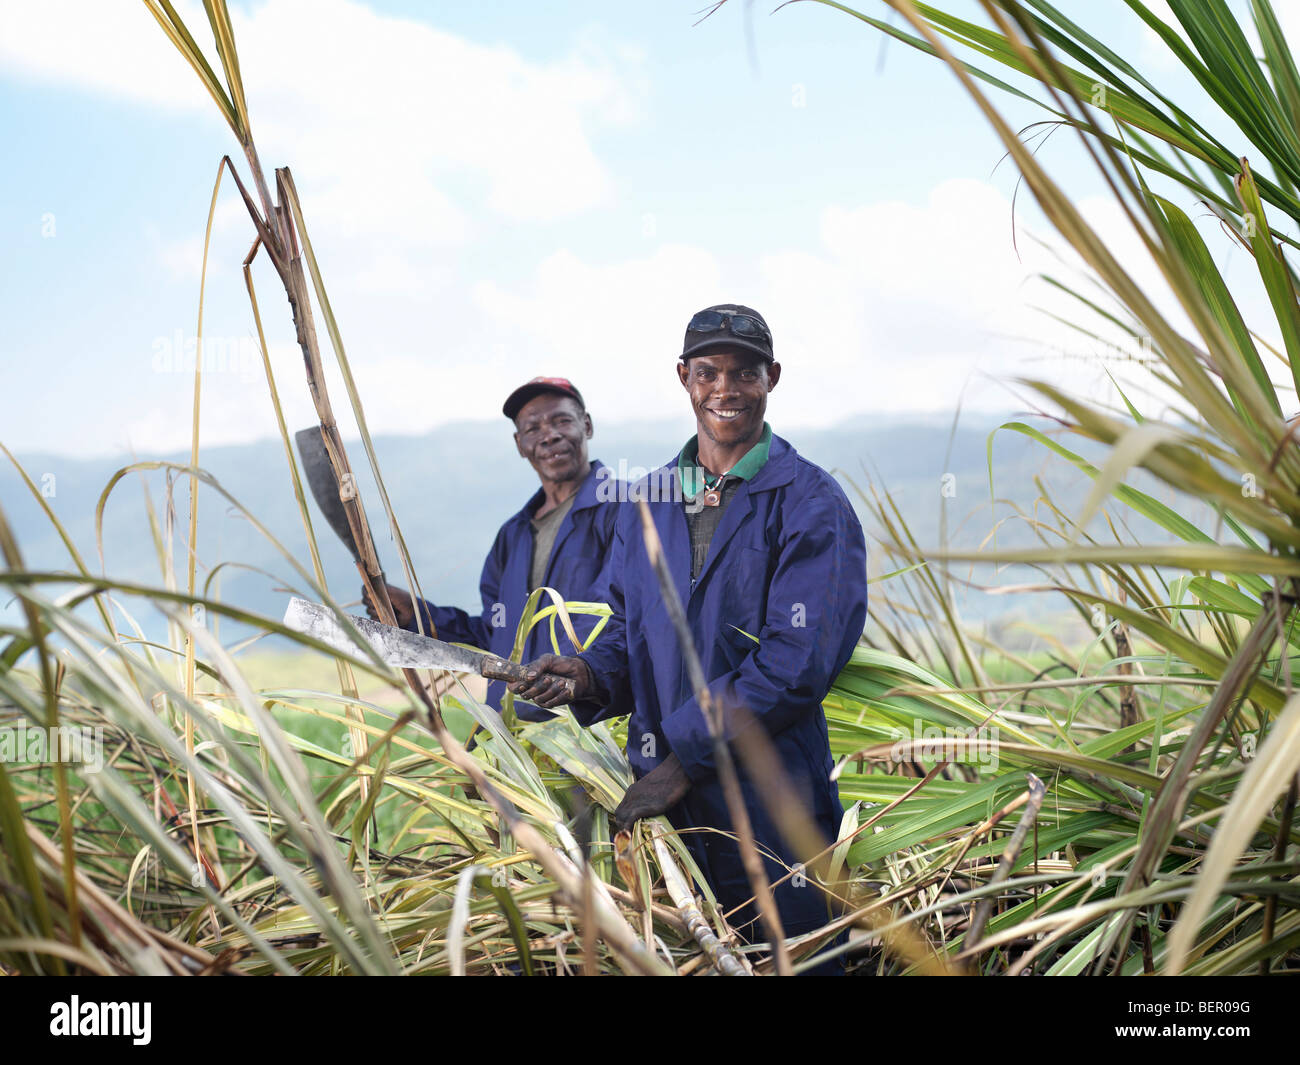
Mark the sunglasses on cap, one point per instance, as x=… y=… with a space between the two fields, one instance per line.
x=739 y=325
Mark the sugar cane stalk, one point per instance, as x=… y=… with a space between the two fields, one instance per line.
x=279 y=228
x=719 y=954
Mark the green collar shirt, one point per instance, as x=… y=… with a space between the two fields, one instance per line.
x=703 y=521
x=691 y=474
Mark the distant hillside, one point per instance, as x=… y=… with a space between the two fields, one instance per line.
x=453 y=487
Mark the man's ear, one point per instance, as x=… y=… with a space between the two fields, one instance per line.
x=684 y=373
x=773 y=375
x=587 y=418
x=520 y=447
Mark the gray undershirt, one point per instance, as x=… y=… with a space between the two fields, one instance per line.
x=545 y=529
x=703 y=522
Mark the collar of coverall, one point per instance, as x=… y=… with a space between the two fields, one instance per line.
x=691 y=473
x=584 y=497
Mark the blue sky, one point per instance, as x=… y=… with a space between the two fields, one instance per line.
x=498 y=190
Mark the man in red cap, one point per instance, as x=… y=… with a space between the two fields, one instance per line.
x=558 y=540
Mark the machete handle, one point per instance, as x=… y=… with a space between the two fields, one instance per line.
x=501 y=669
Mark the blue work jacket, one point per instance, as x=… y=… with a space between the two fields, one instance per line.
x=577 y=558
x=786 y=568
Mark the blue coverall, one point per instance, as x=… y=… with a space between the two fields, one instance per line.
x=577 y=558
x=787 y=565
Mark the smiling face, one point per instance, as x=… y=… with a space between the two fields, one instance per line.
x=551 y=432
x=729 y=393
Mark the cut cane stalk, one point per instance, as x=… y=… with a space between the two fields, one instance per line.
x=719 y=954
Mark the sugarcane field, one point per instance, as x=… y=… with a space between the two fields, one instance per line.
x=701 y=489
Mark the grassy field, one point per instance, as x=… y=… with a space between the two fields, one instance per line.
x=1115 y=795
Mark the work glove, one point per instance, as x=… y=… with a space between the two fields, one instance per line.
x=655 y=793
x=403 y=605
x=545 y=683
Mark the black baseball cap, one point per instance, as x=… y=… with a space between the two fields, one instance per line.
x=727 y=325
x=521 y=395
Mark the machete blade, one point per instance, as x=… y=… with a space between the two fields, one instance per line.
x=324 y=485
x=397 y=647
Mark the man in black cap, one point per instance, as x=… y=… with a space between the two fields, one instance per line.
x=558 y=540
x=769 y=560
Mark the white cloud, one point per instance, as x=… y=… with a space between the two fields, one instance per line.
x=386 y=107
x=614 y=328
x=922 y=276
x=897 y=307
x=407 y=142
x=379 y=115
x=235 y=405
x=890 y=306
x=920 y=306
x=113 y=48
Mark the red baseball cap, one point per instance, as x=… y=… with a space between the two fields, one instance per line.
x=521 y=395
